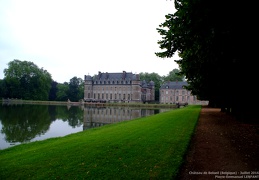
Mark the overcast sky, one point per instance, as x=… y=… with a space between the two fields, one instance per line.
x=71 y=38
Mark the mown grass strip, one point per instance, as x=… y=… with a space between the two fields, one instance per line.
x=146 y=148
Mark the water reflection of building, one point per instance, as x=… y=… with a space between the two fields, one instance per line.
x=95 y=117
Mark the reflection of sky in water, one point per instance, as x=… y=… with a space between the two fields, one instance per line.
x=57 y=128
x=93 y=117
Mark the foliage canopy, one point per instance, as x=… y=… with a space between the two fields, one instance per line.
x=25 y=80
x=213 y=39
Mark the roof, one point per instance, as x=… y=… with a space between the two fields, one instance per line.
x=174 y=85
x=116 y=76
x=104 y=76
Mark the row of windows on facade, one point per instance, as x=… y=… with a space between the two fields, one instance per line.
x=177 y=98
x=176 y=92
x=107 y=115
x=111 y=88
x=112 y=82
x=113 y=114
x=106 y=119
x=111 y=111
x=116 y=96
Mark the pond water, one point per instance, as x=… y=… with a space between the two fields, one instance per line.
x=25 y=123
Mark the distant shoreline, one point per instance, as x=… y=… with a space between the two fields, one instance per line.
x=70 y=103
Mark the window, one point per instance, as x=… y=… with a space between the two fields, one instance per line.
x=166 y=92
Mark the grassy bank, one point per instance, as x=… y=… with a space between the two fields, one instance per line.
x=146 y=148
x=131 y=104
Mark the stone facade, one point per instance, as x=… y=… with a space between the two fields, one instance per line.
x=118 y=87
x=175 y=92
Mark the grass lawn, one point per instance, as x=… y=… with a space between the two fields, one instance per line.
x=145 y=148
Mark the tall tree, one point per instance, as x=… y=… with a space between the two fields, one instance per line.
x=62 y=91
x=53 y=91
x=173 y=75
x=208 y=35
x=3 y=89
x=75 y=92
x=156 y=78
x=26 y=80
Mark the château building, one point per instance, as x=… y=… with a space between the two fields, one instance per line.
x=118 y=87
x=175 y=92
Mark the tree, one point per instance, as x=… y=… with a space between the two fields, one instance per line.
x=208 y=35
x=3 y=89
x=53 y=91
x=62 y=91
x=26 y=81
x=156 y=78
x=173 y=75
x=75 y=90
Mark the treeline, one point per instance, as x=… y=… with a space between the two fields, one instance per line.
x=25 y=80
x=215 y=42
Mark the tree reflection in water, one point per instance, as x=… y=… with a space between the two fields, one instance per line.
x=21 y=123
